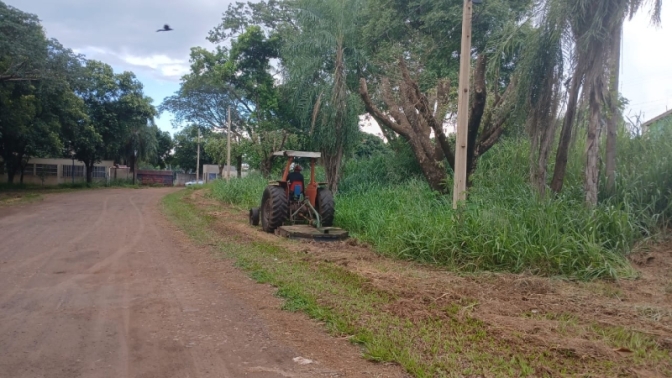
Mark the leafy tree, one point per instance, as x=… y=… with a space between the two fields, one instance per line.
x=203 y=98
x=34 y=109
x=414 y=54
x=185 y=148
x=216 y=148
x=238 y=77
x=23 y=45
x=370 y=145
x=119 y=114
x=272 y=16
x=265 y=124
x=52 y=102
x=164 y=147
x=136 y=114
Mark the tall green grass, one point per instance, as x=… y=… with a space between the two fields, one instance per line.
x=242 y=192
x=516 y=233
x=505 y=225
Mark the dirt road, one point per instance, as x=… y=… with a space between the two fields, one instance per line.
x=98 y=284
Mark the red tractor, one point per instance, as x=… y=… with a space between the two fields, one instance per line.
x=290 y=209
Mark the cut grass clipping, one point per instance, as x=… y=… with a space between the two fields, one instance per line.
x=448 y=342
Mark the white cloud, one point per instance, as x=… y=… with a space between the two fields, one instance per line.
x=166 y=66
x=646 y=78
x=123 y=33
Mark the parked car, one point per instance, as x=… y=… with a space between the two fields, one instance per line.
x=190 y=183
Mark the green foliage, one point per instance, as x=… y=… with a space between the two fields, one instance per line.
x=273 y=16
x=428 y=33
x=120 y=118
x=203 y=98
x=36 y=97
x=238 y=78
x=244 y=192
x=185 y=145
x=164 y=146
x=391 y=167
x=369 y=145
x=53 y=101
x=23 y=45
x=322 y=64
x=644 y=179
x=505 y=225
x=546 y=238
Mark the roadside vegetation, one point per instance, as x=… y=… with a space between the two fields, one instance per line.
x=431 y=323
x=506 y=226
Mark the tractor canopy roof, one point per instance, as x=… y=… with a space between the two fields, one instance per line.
x=307 y=154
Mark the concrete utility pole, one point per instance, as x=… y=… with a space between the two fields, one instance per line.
x=460 y=178
x=198 y=152
x=228 y=147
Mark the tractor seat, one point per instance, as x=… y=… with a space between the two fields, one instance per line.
x=295 y=188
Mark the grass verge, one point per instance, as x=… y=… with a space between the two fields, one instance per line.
x=14 y=198
x=17 y=194
x=446 y=340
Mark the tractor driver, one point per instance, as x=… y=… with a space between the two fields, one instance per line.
x=296 y=176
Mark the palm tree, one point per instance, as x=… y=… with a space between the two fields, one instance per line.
x=140 y=144
x=585 y=34
x=318 y=63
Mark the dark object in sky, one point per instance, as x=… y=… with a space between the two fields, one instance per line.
x=165 y=28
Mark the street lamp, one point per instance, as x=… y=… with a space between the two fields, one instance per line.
x=72 y=171
x=460 y=178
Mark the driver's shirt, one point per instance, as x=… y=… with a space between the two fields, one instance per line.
x=296 y=176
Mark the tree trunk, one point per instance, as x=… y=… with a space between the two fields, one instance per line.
x=544 y=149
x=89 y=171
x=239 y=166
x=434 y=173
x=12 y=167
x=333 y=153
x=542 y=124
x=266 y=166
x=566 y=134
x=614 y=113
x=592 y=170
x=429 y=156
x=413 y=116
x=332 y=167
x=476 y=115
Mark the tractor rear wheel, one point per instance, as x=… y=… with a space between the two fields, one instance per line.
x=274 y=208
x=325 y=206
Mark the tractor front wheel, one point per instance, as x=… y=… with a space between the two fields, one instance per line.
x=274 y=208
x=254 y=216
x=325 y=206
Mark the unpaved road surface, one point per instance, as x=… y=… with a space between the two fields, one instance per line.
x=98 y=284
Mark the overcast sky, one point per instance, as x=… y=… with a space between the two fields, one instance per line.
x=123 y=34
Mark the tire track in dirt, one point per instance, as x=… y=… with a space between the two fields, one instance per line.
x=119 y=293
x=50 y=252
